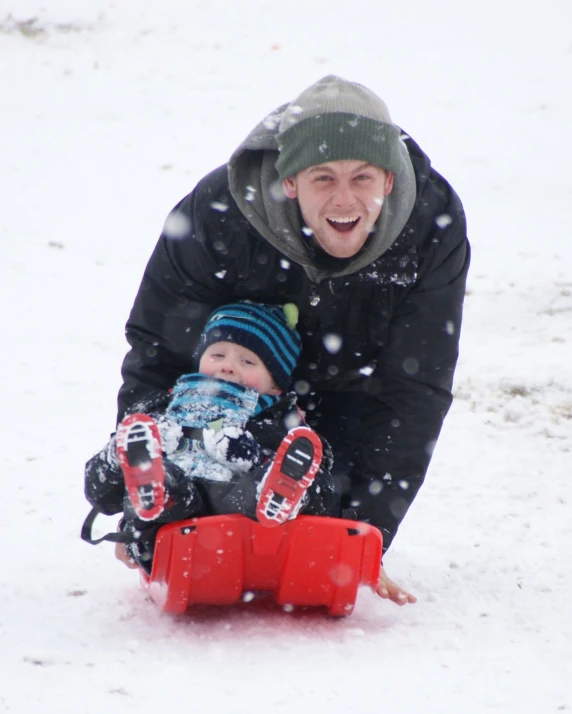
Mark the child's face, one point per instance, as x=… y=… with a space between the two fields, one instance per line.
x=234 y=363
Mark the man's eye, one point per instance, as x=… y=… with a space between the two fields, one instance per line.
x=363 y=177
x=323 y=178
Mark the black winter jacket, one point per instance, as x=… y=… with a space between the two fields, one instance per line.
x=399 y=319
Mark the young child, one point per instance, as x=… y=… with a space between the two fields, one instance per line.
x=230 y=440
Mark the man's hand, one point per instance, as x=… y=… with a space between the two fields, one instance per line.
x=389 y=590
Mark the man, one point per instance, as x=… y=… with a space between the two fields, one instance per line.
x=329 y=205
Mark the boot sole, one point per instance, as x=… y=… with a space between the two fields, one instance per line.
x=291 y=473
x=138 y=446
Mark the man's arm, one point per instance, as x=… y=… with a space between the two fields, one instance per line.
x=186 y=278
x=162 y=330
x=402 y=421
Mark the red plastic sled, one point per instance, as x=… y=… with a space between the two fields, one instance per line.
x=308 y=561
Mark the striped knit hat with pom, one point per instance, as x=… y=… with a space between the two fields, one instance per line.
x=267 y=330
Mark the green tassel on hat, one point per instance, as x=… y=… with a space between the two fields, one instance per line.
x=291 y=313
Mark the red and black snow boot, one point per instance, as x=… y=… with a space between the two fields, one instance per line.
x=291 y=473
x=138 y=446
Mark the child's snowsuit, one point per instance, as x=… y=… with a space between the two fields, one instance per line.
x=218 y=439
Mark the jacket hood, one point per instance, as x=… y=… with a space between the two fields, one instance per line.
x=257 y=190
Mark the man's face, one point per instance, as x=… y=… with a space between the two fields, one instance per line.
x=340 y=201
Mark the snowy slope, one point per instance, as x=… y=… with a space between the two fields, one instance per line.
x=110 y=112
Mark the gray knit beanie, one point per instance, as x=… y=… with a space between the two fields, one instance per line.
x=334 y=120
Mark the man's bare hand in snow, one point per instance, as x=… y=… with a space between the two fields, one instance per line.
x=389 y=590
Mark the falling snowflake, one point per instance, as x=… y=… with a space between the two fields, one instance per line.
x=332 y=342
x=219 y=206
x=410 y=365
x=443 y=220
x=375 y=487
x=177 y=226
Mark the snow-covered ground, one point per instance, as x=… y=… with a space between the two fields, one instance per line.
x=110 y=111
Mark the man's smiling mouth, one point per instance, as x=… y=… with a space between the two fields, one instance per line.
x=343 y=224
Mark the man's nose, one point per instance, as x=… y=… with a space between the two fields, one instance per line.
x=344 y=196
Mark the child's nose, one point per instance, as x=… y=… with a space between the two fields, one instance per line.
x=227 y=370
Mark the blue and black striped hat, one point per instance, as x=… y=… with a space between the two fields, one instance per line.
x=267 y=330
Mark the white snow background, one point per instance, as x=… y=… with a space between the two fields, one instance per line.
x=110 y=112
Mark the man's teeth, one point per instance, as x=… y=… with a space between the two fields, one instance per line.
x=350 y=219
